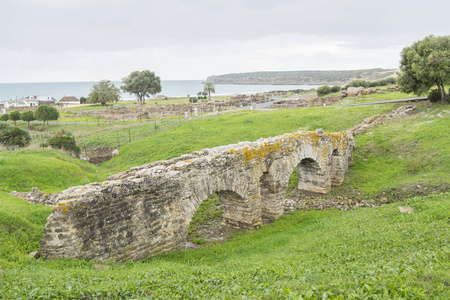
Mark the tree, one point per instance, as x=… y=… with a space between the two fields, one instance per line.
x=4 y=117
x=14 y=116
x=142 y=84
x=28 y=116
x=103 y=92
x=425 y=64
x=46 y=113
x=209 y=88
x=83 y=100
x=323 y=90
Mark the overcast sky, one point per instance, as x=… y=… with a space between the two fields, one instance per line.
x=91 y=40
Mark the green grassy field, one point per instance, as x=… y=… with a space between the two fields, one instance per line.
x=375 y=253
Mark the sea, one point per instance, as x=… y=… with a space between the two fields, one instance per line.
x=169 y=88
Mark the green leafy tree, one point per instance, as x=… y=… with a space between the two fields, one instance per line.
x=14 y=116
x=83 y=100
x=14 y=136
x=4 y=117
x=425 y=64
x=209 y=88
x=142 y=84
x=104 y=92
x=28 y=116
x=46 y=113
x=323 y=90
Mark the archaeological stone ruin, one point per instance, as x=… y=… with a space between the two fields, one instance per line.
x=147 y=209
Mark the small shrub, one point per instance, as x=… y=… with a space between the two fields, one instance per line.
x=66 y=143
x=323 y=90
x=199 y=241
x=434 y=96
x=14 y=136
x=335 y=89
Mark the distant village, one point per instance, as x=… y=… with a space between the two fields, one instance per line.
x=32 y=101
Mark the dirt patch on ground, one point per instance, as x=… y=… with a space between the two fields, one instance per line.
x=99 y=155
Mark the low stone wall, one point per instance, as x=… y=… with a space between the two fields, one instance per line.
x=37 y=197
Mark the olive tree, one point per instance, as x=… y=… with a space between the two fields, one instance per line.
x=142 y=84
x=104 y=92
x=426 y=64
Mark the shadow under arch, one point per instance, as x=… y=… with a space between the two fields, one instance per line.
x=312 y=178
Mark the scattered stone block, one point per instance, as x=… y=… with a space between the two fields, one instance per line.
x=406 y=209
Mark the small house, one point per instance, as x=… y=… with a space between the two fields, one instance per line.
x=69 y=100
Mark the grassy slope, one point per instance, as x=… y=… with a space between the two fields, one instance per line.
x=401 y=155
x=242 y=126
x=376 y=252
x=49 y=170
x=350 y=254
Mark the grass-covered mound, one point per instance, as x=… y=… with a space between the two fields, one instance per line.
x=49 y=170
x=375 y=253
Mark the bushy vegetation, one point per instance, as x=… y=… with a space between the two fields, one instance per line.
x=335 y=89
x=64 y=142
x=323 y=90
x=13 y=136
x=434 y=96
x=365 y=84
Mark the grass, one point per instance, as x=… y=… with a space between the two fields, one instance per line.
x=403 y=154
x=375 y=97
x=49 y=170
x=236 y=127
x=375 y=253
x=208 y=211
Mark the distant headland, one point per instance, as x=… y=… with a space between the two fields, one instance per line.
x=337 y=77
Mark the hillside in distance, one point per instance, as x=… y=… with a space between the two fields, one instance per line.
x=336 y=77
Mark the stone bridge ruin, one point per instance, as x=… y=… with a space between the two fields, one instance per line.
x=147 y=209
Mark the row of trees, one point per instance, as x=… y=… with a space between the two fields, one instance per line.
x=140 y=83
x=43 y=113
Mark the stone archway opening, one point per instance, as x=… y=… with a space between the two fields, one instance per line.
x=312 y=178
x=217 y=218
